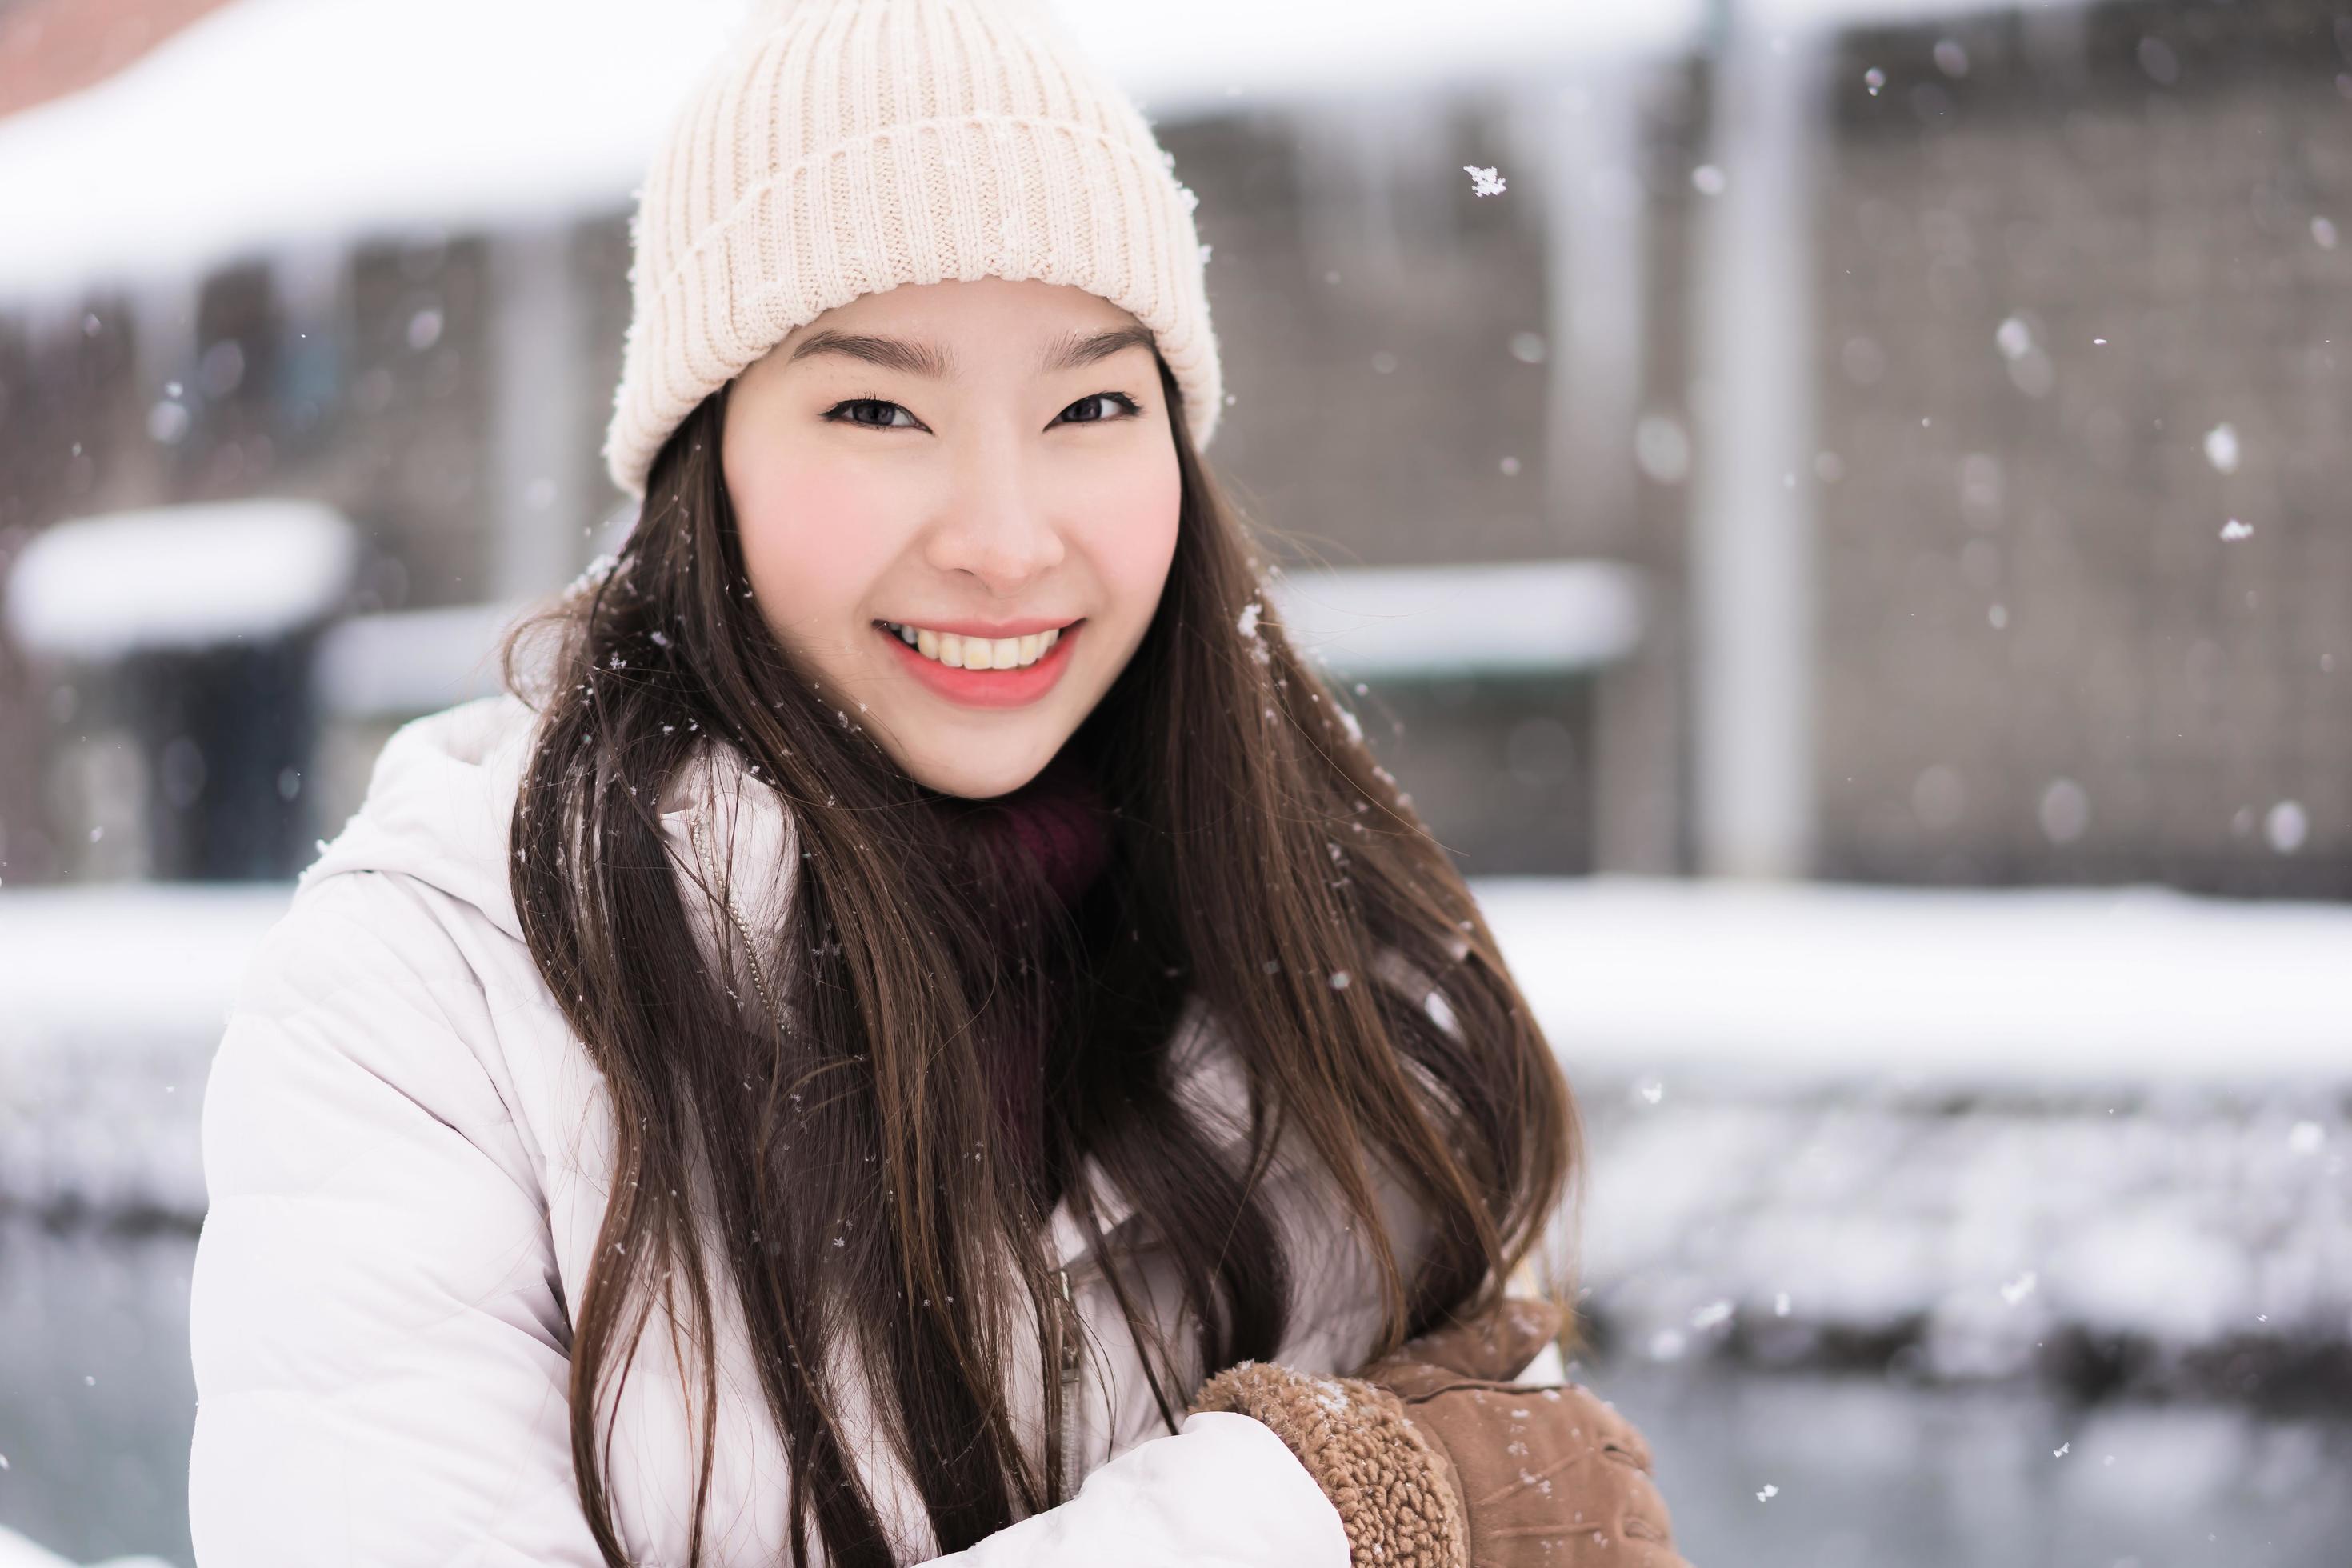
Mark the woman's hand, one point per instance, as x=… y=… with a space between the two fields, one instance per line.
x=1435 y=1459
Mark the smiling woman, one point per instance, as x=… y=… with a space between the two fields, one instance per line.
x=928 y=948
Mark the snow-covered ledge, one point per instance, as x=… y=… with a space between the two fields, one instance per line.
x=1781 y=987
x=16 y=1552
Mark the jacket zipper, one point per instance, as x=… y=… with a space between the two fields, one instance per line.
x=1065 y=1336
x=742 y=926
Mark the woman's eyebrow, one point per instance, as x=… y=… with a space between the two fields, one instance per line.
x=1072 y=351
x=890 y=353
x=1076 y=352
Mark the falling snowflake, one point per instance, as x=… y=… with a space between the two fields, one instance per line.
x=1714 y=1314
x=2286 y=826
x=2062 y=1450
x=2306 y=1138
x=1708 y=181
x=1247 y=624
x=1483 y=182
x=2234 y=531
x=2019 y=1288
x=1768 y=1493
x=2221 y=448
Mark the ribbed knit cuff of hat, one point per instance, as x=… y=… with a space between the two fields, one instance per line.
x=1396 y=1492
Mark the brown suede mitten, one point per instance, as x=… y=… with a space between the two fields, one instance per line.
x=1435 y=1459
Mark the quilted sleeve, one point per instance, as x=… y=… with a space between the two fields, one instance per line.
x=381 y=1352
x=1223 y=1490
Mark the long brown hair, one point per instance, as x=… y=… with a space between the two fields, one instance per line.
x=1263 y=864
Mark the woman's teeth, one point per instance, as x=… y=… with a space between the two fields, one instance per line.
x=975 y=653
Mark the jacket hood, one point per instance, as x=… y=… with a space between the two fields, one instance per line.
x=437 y=806
x=440 y=804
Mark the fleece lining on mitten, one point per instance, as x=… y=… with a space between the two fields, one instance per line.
x=1395 y=1493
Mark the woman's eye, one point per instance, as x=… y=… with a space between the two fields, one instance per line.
x=1085 y=410
x=880 y=413
x=858 y=409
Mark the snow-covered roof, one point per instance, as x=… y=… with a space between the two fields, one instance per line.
x=1522 y=617
x=273 y=122
x=179 y=576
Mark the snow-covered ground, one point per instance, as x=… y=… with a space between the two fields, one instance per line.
x=2168 y=1242
x=1955 y=1127
x=111 y=999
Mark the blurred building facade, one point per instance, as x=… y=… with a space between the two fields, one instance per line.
x=2086 y=292
x=2072 y=300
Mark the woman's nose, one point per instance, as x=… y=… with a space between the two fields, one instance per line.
x=998 y=530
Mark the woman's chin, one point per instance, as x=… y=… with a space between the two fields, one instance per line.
x=978 y=771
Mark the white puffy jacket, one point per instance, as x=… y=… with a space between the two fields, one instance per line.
x=407 y=1151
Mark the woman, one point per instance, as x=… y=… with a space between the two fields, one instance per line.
x=921 y=1000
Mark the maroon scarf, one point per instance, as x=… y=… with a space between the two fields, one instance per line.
x=1056 y=830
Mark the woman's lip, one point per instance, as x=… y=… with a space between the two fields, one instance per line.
x=988 y=688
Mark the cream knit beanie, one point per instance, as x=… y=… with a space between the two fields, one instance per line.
x=843 y=147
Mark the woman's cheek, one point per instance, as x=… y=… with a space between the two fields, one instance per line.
x=1135 y=526
x=816 y=549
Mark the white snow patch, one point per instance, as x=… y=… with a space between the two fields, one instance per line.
x=181 y=576
x=100 y=1081
x=1517 y=618
x=1785 y=983
x=17 y=1551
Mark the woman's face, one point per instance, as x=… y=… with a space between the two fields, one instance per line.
x=985 y=466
